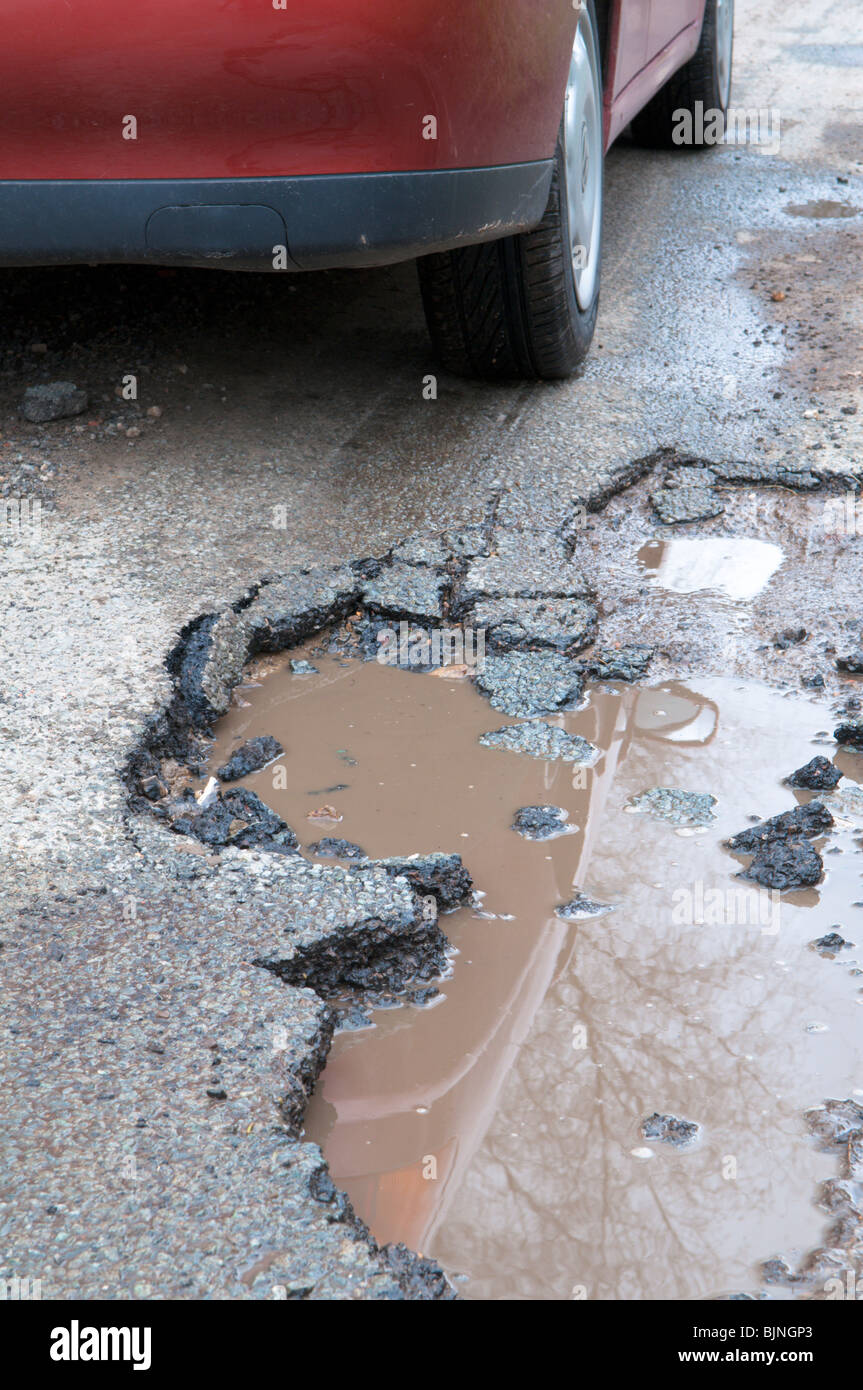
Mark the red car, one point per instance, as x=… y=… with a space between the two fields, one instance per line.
x=301 y=134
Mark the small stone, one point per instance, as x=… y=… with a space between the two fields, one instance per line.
x=303 y=668
x=671 y=1130
x=542 y=822
x=835 y=1122
x=818 y=775
x=675 y=806
x=786 y=865
x=354 y=1018
x=581 y=907
x=330 y=848
x=812 y=819
x=53 y=401
x=153 y=788
x=831 y=944
x=240 y=818
x=540 y=740
x=852 y=664
x=325 y=813
x=250 y=757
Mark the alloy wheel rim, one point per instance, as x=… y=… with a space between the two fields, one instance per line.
x=582 y=132
x=724 y=45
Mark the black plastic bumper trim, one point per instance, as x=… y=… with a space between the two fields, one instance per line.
x=321 y=220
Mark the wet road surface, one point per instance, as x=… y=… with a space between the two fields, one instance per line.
x=281 y=422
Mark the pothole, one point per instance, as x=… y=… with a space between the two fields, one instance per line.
x=589 y=1079
x=519 y=1118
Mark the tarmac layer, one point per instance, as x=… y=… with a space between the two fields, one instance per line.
x=281 y=425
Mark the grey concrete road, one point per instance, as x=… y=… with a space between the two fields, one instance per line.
x=282 y=421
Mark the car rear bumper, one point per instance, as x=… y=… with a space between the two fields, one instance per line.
x=251 y=89
x=241 y=224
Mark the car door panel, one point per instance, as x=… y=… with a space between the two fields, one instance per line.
x=630 y=25
x=668 y=18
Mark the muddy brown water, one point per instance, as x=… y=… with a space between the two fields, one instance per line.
x=498 y=1129
x=822 y=207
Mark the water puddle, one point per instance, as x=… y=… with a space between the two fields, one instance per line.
x=499 y=1129
x=822 y=207
x=738 y=567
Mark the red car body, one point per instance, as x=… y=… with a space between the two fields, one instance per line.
x=303 y=124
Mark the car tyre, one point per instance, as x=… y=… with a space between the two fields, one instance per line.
x=525 y=306
x=706 y=78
